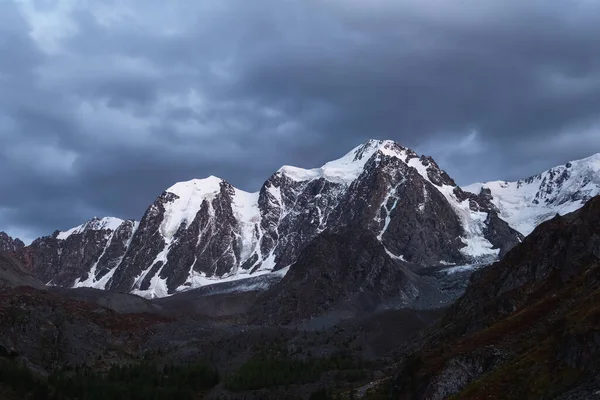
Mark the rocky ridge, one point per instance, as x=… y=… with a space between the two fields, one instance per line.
x=526 y=203
x=10 y=245
x=206 y=231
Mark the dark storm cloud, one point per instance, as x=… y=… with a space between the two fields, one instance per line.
x=105 y=104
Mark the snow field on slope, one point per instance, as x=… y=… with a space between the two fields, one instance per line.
x=246 y=212
x=191 y=195
x=515 y=200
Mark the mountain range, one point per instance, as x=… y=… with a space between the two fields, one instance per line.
x=206 y=231
x=370 y=307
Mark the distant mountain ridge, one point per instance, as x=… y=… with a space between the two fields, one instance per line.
x=10 y=245
x=526 y=203
x=207 y=231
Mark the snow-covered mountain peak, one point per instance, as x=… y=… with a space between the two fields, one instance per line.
x=188 y=199
x=526 y=203
x=367 y=149
x=197 y=187
x=593 y=161
x=348 y=168
x=95 y=224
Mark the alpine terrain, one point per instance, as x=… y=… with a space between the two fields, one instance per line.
x=206 y=231
x=527 y=203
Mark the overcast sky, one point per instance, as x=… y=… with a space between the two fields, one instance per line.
x=106 y=103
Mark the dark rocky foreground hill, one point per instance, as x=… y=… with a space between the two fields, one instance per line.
x=526 y=328
x=342 y=274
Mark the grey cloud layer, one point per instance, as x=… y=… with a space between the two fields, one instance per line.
x=105 y=104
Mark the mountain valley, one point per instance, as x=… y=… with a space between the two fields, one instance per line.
x=374 y=276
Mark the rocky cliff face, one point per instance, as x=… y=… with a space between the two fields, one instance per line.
x=206 y=231
x=527 y=326
x=83 y=256
x=10 y=245
x=347 y=272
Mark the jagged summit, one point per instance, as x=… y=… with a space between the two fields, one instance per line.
x=8 y=244
x=526 y=203
x=94 y=224
x=348 y=168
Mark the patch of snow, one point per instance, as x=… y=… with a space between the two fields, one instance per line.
x=388 y=211
x=91 y=279
x=425 y=198
x=158 y=287
x=421 y=169
x=393 y=256
x=300 y=174
x=442 y=262
x=462 y=268
x=199 y=279
x=268 y=263
x=474 y=188
x=160 y=257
